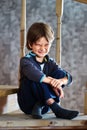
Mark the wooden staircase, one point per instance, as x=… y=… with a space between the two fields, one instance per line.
x=14 y=119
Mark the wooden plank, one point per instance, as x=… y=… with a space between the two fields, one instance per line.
x=82 y=1
x=85 y=102
x=20 y=120
x=43 y=123
x=44 y=128
x=7 y=90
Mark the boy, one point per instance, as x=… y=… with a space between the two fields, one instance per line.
x=41 y=79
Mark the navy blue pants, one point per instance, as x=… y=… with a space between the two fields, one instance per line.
x=31 y=92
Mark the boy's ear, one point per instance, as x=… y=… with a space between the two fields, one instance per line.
x=30 y=46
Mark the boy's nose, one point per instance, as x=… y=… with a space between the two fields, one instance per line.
x=42 y=48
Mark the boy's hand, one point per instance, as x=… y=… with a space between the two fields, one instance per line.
x=56 y=83
x=59 y=92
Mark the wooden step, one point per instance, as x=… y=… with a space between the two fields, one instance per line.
x=7 y=90
x=8 y=98
x=19 y=121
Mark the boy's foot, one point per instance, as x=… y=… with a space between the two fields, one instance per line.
x=45 y=109
x=36 y=112
x=63 y=113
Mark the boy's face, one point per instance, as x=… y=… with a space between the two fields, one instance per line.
x=41 y=47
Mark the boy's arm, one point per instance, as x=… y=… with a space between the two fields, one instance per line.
x=62 y=73
x=55 y=82
x=31 y=71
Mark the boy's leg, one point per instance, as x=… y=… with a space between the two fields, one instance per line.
x=25 y=96
x=58 y=74
x=41 y=93
x=55 y=107
x=58 y=111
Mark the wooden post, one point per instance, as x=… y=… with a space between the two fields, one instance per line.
x=85 y=101
x=23 y=28
x=22 y=32
x=59 y=12
x=82 y=1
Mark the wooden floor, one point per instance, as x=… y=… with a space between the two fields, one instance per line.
x=20 y=121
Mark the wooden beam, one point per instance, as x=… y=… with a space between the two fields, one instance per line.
x=22 y=33
x=85 y=101
x=23 y=28
x=7 y=89
x=59 y=12
x=82 y=1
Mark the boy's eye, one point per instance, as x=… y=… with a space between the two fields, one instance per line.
x=37 y=44
x=46 y=45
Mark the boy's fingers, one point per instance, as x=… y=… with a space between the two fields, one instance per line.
x=56 y=91
x=61 y=92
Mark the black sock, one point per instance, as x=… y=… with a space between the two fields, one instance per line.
x=63 y=113
x=36 y=112
x=45 y=109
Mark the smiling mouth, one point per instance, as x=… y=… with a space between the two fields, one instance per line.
x=41 y=52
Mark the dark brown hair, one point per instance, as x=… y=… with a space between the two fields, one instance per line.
x=38 y=30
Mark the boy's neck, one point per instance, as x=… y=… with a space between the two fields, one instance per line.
x=39 y=59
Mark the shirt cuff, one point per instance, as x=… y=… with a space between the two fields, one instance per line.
x=69 y=79
x=41 y=80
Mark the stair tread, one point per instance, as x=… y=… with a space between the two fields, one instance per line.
x=18 y=118
x=7 y=89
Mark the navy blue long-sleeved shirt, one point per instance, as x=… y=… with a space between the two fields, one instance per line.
x=31 y=69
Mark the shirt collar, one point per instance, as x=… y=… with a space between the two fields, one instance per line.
x=46 y=58
x=32 y=54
